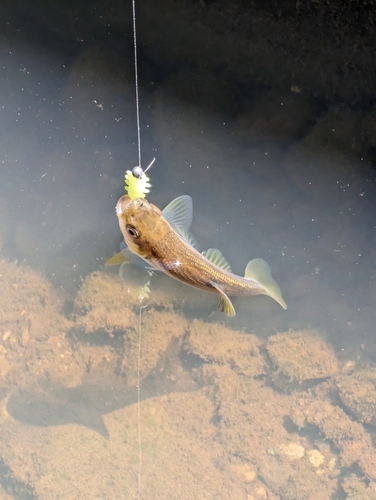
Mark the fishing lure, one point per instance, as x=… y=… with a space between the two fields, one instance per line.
x=137 y=183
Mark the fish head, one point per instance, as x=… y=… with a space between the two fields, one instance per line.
x=141 y=223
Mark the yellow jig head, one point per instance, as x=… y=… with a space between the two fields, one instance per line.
x=137 y=183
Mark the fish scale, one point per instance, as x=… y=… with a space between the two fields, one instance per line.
x=196 y=270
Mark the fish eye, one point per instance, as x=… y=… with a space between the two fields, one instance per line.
x=132 y=231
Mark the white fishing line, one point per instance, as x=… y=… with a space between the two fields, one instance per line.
x=139 y=399
x=141 y=307
x=136 y=81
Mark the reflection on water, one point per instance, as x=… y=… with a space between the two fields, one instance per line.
x=271 y=404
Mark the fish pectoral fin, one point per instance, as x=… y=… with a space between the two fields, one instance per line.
x=216 y=257
x=134 y=259
x=179 y=213
x=225 y=304
x=126 y=256
x=117 y=259
x=259 y=270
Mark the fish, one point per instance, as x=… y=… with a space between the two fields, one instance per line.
x=162 y=240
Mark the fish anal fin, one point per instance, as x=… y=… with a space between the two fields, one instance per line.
x=216 y=257
x=225 y=304
x=259 y=270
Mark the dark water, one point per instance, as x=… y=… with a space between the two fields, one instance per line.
x=279 y=167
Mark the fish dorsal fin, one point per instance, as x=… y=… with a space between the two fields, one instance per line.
x=225 y=304
x=259 y=270
x=179 y=213
x=216 y=257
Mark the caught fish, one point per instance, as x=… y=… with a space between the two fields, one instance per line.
x=163 y=241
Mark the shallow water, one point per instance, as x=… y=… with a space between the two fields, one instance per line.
x=270 y=404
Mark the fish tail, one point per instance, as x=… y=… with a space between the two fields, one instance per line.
x=259 y=270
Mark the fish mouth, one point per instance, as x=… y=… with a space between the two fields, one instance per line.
x=122 y=205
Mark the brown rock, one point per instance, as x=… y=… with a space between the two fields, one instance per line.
x=358 y=394
x=210 y=341
x=302 y=355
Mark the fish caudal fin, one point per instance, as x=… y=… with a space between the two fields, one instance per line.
x=225 y=304
x=259 y=270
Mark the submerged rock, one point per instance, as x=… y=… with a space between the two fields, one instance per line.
x=103 y=303
x=292 y=451
x=356 y=489
x=350 y=438
x=358 y=394
x=302 y=355
x=316 y=458
x=210 y=341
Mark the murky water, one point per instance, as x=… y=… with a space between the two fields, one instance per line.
x=270 y=404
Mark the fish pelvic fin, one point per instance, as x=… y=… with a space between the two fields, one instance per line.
x=225 y=304
x=259 y=270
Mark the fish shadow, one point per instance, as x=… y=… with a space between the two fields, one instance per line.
x=45 y=403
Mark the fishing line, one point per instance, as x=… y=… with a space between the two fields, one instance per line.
x=136 y=81
x=141 y=307
x=139 y=399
